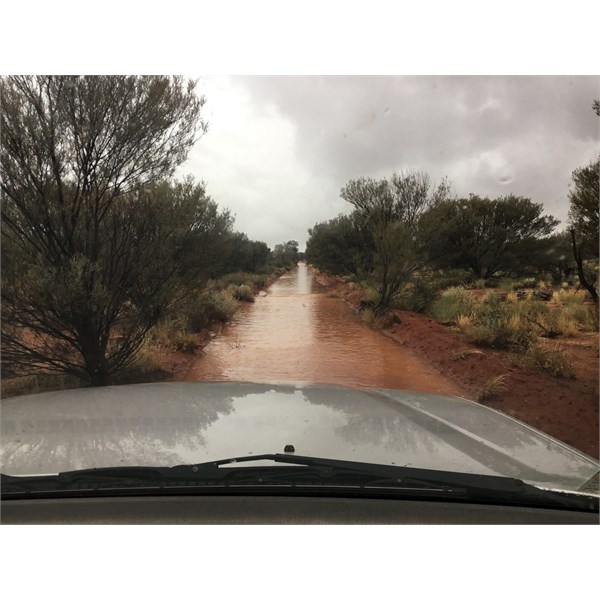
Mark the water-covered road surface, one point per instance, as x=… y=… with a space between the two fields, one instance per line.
x=298 y=334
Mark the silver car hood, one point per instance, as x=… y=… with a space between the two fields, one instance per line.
x=167 y=424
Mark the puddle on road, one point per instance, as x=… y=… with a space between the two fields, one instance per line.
x=297 y=334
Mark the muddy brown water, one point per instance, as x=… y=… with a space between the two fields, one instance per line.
x=296 y=333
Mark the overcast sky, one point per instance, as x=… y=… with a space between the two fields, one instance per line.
x=279 y=149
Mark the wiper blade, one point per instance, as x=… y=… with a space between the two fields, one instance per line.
x=302 y=471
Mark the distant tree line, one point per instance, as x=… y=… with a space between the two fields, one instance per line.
x=403 y=225
x=98 y=240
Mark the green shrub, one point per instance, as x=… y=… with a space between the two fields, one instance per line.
x=418 y=296
x=221 y=306
x=193 y=313
x=254 y=281
x=453 y=302
x=201 y=308
x=371 y=295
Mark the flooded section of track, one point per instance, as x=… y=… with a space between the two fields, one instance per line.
x=298 y=334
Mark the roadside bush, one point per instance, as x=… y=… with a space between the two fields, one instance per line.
x=192 y=313
x=164 y=330
x=418 y=296
x=254 y=281
x=552 y=361
x=498 y=325
x=243 y=292
x=200 y=308
x=371 y=295
x=368 y=317
x=453 y=302
x=221 y=306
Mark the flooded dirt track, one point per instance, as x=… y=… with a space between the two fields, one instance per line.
x=296 y=333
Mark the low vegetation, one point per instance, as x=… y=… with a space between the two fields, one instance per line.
x=453 y=303
x=492 y=388
x=552 y=361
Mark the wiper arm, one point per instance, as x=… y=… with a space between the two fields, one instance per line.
x=322 y=472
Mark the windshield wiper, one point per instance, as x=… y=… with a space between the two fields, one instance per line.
x=299 y=473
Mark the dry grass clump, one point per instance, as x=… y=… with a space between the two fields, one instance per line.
x=464 y=354
x=173 y=334
x=463 y=321
x=220 y=306
x=553 y=361
x=495 y=324
x=567 y=296
x=242 y=292
x=492 y=387
x=566 y=326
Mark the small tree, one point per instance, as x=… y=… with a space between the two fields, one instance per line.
x=387 y=217
x=486 y=236
x=583 y=219
x=87 y=246
x=335 y=247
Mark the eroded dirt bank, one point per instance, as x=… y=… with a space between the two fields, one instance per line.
x=564 y=408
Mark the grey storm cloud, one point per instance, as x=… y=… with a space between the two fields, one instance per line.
x=490 y=135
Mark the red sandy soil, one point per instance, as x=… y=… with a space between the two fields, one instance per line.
x=567 y=409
